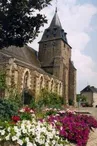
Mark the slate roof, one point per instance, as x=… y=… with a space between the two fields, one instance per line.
x=54 y=31
x=4 y=58
x=55 y=21
x=25 y=54
x=89 y=89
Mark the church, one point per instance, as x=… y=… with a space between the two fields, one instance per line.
x=50 y=68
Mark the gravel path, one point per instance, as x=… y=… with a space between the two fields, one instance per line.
x=93 y=139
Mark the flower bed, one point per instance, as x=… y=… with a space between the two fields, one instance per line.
x=30 y=132
x=58 y=129
x=75 y=128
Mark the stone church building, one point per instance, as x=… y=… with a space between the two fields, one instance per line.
x=50 y=68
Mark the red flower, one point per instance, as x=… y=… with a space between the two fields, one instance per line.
x=15 y=118
x=27 y=109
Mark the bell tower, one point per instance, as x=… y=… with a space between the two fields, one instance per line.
x=55 y=53
x=50 y=52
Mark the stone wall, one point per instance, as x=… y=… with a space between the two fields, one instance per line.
x=89 y=97
x=35 y=80
x=55 y=57
x=94 y=99
x=72 y=83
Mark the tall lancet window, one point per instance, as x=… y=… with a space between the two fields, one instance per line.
x=41 y=83
x=26 y=78
x=27 y=97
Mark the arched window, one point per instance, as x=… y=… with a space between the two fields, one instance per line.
x=47 y=84
x=27 y=95
x=56 y=87
x=26 y=78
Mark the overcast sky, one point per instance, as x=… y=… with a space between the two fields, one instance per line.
x=79 y=20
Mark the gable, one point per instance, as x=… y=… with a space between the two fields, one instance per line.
x=89 y=89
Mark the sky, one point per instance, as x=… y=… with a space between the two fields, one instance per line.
x=79 y=20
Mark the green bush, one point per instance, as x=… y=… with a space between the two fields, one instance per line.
x=2 y=80
x=17 y=99
x=49 y=99
x=81 y=98
x=8 y=108
x=70 y=101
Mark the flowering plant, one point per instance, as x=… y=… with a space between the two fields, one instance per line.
x=24 y=113
x=75 y=128
x=54 y=130
x=32 y=133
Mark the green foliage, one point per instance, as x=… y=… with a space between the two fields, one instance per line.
x=33 y=104
x=70 y=101
x=2 y=80
x=8 y=108
x=18 y=22
x=25 y=116
x=28 y=96
x=16 y=98
x=81 y=98
x=50 y=112
x=49 y=99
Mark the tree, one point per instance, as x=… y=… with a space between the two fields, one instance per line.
x=81 y=98
x=19 y=24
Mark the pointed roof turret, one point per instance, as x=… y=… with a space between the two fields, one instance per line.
x=55 y=21
x=54 y=31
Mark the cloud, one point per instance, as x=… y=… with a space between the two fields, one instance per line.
x=76 y=20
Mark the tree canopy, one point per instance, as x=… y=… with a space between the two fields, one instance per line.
x=19 y=24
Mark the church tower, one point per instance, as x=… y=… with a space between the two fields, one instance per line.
x=55 y=58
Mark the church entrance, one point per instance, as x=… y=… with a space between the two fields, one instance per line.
x=27 y=95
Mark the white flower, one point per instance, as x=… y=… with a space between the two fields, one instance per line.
x=53 y=142
x=46 y=144
x=27 y=139
x=22 y=110
x=20 y=142
x=2 y=132
x=16 y=129
x=7 y=137
x=14 y=138
x=8 y=129
x=29 y=144
x=43 y=133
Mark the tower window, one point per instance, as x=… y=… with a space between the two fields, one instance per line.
x=54 y=31
x=47 y=33
x=45 y=45
x=26 y=77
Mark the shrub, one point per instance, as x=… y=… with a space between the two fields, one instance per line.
x=49 y=99
x=8 y=108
